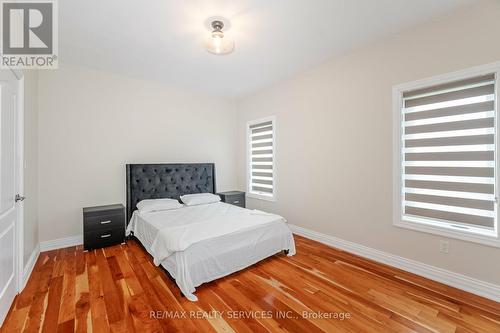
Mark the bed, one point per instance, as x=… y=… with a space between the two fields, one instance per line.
x=198 y=244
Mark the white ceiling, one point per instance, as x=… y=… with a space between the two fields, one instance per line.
x=162 y=39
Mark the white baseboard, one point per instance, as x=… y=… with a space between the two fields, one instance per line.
x=466 y=283
x=28 y=268
x=61 y=243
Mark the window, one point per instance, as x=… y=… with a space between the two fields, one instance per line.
x=446 y=148
x=261 y=166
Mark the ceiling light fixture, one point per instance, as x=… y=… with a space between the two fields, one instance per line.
x=217 y=43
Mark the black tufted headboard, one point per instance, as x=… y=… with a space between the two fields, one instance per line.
x=156 y=181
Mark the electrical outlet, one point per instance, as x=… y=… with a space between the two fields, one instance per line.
x=444 y=246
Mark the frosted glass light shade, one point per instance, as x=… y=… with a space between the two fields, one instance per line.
x=218 y=44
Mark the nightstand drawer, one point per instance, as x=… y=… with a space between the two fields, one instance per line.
x=236 y=198
x=104 y=237
x=93 y=223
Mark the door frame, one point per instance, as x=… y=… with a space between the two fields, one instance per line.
x=19 y=231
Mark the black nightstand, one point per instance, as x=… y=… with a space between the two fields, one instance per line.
x=236 y=198
x=103 y=226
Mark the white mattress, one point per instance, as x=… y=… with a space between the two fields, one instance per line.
x=206 y=259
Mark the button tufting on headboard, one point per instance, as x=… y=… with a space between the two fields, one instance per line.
x=147 y=181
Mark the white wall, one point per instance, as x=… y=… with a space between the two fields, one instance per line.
x=334 y=126
x=92 y=123
x=31 y=163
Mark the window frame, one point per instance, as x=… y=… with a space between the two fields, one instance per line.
x=477 y=235
x=249 y=192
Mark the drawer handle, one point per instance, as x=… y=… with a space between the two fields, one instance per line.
x=237 y=201
x=106 y=236
x=105 y=222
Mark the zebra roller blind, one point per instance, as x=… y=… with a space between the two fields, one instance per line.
x=448 y=153
x=261 y=158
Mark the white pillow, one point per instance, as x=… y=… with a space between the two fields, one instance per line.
x=199 y=198
x=152 y=205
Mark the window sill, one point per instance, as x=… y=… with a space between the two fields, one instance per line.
x=484 y=237
x=261 y=197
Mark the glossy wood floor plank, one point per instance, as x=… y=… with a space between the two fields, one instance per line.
x=118 y=289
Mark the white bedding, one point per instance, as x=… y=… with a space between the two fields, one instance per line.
x=198 y=244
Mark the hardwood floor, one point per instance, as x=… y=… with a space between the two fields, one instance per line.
x=119 y=289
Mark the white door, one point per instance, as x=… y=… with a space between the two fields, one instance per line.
x=9 y=256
